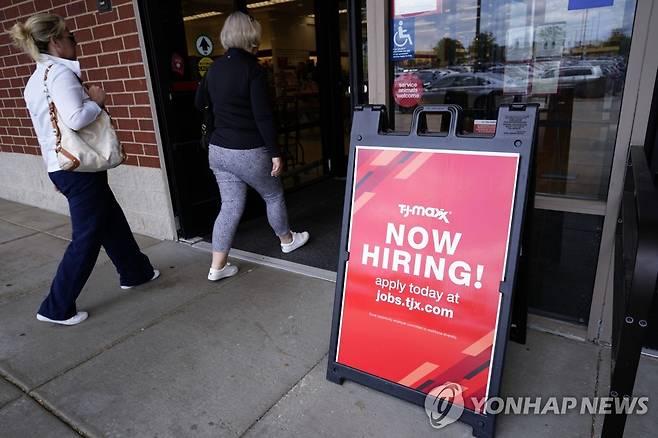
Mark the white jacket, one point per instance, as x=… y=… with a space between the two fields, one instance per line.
x=75 y=107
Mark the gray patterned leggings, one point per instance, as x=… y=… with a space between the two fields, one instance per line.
x=234 y=170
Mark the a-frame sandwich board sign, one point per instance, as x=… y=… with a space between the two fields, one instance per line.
x=430 y=243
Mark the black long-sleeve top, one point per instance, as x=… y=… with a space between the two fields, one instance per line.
x=238 y=91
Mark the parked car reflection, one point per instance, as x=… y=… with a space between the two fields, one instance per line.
x=587 y=81
x=428 y=75
x=501 y=82
x=470 y=90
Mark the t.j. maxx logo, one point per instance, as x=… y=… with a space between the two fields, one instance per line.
x=417 y=210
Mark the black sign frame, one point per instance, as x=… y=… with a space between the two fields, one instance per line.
x=515 y=133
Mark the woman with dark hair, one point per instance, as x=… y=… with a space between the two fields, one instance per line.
x=243 y=149
x=96 y=217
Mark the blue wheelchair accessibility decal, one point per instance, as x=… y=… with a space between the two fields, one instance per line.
x=404 y=38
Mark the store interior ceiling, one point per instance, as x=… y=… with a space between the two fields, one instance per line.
x=195 y=7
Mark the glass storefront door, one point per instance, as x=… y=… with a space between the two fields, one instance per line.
x=570 y=57
x=289 y=53
x=307 y=76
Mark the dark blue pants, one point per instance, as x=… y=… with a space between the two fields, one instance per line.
x=97 y=220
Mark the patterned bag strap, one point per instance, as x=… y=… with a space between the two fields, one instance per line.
x=52 y=110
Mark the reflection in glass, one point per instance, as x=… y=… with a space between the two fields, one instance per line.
x=483 y=53
x=564 y=250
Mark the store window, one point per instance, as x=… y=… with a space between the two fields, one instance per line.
x=569 y=56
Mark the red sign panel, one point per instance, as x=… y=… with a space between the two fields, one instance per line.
x=407 y=90
x=484 y=127
x=428 y=245
x=416 y=7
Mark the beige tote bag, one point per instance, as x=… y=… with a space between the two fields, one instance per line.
x=93 y=148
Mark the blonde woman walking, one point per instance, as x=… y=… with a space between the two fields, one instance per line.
x=96 y=217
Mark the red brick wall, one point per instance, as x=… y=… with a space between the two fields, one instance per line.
x=110 y=56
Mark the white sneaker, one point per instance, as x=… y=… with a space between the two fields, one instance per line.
x=228 y=270
x=77 y=319
x=298 y=239
x=156 y=274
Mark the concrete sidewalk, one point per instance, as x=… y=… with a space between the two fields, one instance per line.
x=242 y=357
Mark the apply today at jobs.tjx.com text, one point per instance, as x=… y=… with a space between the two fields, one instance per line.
x=410 y=302
x=424 y=265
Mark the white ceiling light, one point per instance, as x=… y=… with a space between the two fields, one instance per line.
x=267 y=3
x=204 y=15
x=341 y=11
